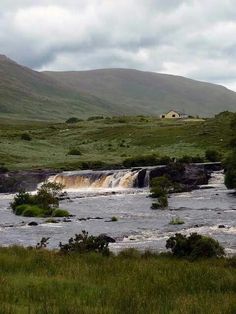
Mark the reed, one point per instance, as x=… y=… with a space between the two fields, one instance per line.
x=42 y=281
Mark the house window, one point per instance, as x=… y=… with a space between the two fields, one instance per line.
x=173 y=115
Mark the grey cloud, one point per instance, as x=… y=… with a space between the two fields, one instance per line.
x=191 y=38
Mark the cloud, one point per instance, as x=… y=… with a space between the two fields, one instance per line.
x=194 y=38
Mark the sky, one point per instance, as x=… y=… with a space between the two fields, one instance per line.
x=192 y=38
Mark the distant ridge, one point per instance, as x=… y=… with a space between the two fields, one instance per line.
x=149 y=92
x=28 y=94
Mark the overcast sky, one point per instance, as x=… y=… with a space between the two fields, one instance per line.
x=196 y=39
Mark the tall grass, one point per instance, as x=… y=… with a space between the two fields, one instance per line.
x=41 y=281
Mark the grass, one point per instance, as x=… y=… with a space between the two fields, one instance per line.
x=107 y=140
x=40 y=281
x=176 y=221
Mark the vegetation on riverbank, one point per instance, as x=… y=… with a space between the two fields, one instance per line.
x=42 y=204
x=42 y=281
x=110 y=142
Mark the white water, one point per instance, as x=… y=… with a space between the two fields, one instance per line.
x=122 y=179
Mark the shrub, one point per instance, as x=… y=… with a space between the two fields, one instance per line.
x=140 y=161
x=31 y=211
x=43 y=204
x=73 y=120
x=185 y=159
x=47 y=195
x=74 y=151
x=212 y=155
x=95 y=118
x=3 y=169
x=21 y=198
x=83 y=243
x=114 y=218
x=230 y=174
x=194 y=246
x=160 y=186
x=176 y=221
x=26 y=137
x=60 y=213
x=161 y=203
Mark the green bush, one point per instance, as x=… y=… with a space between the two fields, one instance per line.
x=212 y=155
x=230 y=173
x=95 y=118
x=194 y=246
x=83 y=243
x=32 y=211
x=73 y=120
x=43 y=204
x=75 y=152
x=176 y=221
x=26 y=137
x=162 y=202
x=60 y=213
x=21 y=198
x=114 y=219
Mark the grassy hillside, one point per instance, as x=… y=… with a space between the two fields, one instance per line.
x=46 y=282
x=54 y=96
x=150 y=93
x=27 y=94
x=108 y=140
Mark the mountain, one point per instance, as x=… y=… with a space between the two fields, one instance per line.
x=150 y=93
x=28 y=94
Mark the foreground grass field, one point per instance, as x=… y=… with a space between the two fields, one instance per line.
x=108 y=140
x=40 y=281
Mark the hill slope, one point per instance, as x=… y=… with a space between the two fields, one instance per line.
x=28 y=94
x=150 y=93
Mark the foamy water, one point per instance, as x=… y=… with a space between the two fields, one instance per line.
x=138 y=226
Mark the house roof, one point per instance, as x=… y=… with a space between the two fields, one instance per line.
x=180 y=113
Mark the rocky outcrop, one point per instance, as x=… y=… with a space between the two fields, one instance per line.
x=15 y=181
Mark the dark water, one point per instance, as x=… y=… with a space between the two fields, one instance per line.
x=137 y=226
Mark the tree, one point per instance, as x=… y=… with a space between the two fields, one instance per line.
x=47 y=195
x=194 y=246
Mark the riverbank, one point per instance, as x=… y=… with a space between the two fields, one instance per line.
x=107 y=142
x=41 y=281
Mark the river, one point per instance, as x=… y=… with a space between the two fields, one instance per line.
x=210 y=210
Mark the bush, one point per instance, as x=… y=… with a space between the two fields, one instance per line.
x=141 y=161
x=95 y=118
x=212 y=155
x=74 y=152
x=31 y=211
x=114 y=219
x=26 y=137
x=73 y=120
x=230 y=174
x=83 y=243
x=194 y=246
x=42 y=204
x=160 y=186
x=21 y=198
x=176 y=221
x=60 y=213
x=3 y=169
x=161 y=203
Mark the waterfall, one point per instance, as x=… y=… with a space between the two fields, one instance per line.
x=120 y=179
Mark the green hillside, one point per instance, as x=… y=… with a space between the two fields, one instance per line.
x=28 y=94
x=150 y=93
x=109 y=141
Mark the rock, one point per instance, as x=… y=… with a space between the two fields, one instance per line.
x=221 y=226
x=66 y=220
x=15 y=181
x=33 y=223
x=106 y=238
